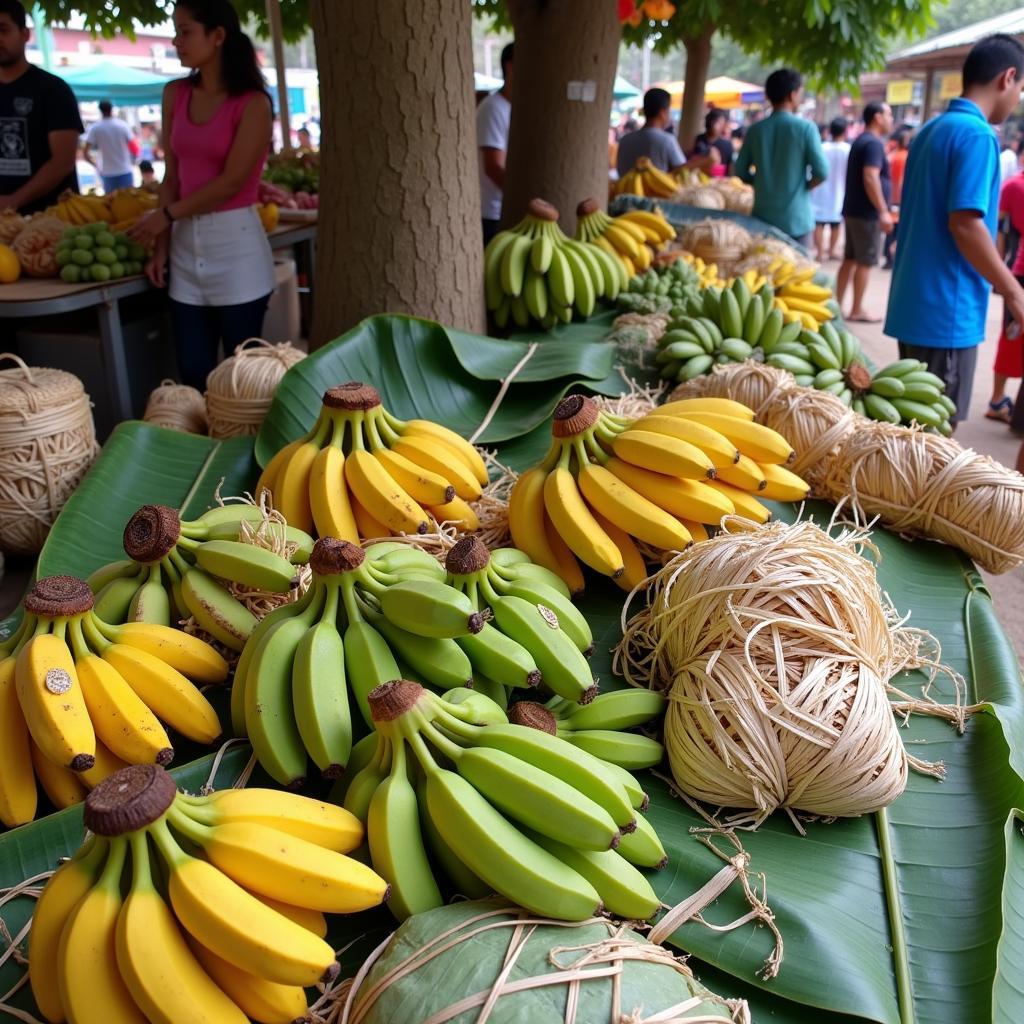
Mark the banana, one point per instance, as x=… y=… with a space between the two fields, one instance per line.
x=430 y=609
x=539 y=592
x=493 y=256
x=151 y=603
x=270 y=477
x=584 y=288
x=629 y=510
x=761 y=443
x=235 y=925
x=158 y=968
x=535 y=294
x=329 y=501
x=63 y=787
x=721 y=406
x=357 y=791
x=90 y=985
x=732 y=316
x=642 y=846
x=284 y=867
x=888 y=387
x=688 y=499
x=18 y=796
x=879 y=408
x=500 y=855
x=188 y=654
x=467 y=452
x=320 y=694
x=476 y=707
x=113 y=601
x=112 y=571
x=312 y=920
x=435 y=660
x=51 y=700
x=396 y=843
x=540 y=254
x=526 y=517
x=457 y=512
x=634 y=567
x=920 y=392
x=368 y=526
x=926 y=415
x=518 y=567
x=923 y=376
x=368 y=662
x=698 y=531
x=463 y=882
x=577 y=526
x=291 y=493
x=716 y=446
x=747 y=475
x=422 y=485
x=168 y=694
x=434 y=454
x=232 y=515
x=568 y=567
x=497 y=656
x=736 y=349
x=216 y=611
x=628 y=750
x=513 y=264
x=782 y=485
x=744 y=503
x=406 y=560
x=247 y=564
x=618 y=709
x=378 y=492
x=901 y=368
x=66 y=888
x=662 y=454
x=695 y=366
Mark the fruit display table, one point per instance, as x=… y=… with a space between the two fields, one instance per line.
x=29 y=299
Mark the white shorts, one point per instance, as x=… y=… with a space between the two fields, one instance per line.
x=220 y=259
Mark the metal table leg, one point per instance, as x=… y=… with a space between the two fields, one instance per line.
x=114 y=362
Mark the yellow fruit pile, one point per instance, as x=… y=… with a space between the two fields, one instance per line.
x=647 y=180
x=633 y=237
x=609 y=482
x=120 y=209
x=796 y=295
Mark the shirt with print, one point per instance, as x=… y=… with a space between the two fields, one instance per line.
x=112 y=137
x=937 y=298
x=659 y=146
x=866 y=150
x=779 y=157
x=493 y=118
x=33 y=105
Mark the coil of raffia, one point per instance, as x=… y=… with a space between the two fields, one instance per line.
x=750 y=382
x=47 y=442
x=706 y=197
x=716 y=240
x=240 y=390
x=177 y=407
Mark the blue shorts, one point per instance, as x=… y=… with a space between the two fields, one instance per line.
x=112 y=182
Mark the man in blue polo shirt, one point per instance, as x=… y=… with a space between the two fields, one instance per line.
x=946 y=258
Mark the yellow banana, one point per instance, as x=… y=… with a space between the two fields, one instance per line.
x=188 y=654
x=381 y=496
x=761 y=443
x=724 y=406
x=269 y=476
x=622 y=240
x=369 y=528
x=662 y=454
x=468 y=452
x=718 y=448
x=61 y=785
x=329 y=499
x=457 y=512
x=17 y=785
x=633 y=229
x=746 y=504
x=568 y=567
x=422 y=485
x=783 y=485
x=312 y=920
x=291 y=497
x=634 y=570
x=698 y=531
x=745 y=474
x=105 y=766
x=652 y=221
x=432 y=454
x=576 y=524
x=686 y=499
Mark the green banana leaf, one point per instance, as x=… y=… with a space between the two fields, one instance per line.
x=425 y=370
x=140 y=464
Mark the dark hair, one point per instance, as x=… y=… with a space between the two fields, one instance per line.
x=990 y=57
x=508 y=55
x=902 y=137
x=712 y=116
x=239 y=66
x=655 y=101
x=837 y=127
x=106 y=108
x=781 y=84
x=15 y=11
x=145 y=167
x=872 y=110
x=739 y=132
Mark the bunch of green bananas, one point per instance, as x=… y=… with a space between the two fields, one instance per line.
x=600 y=727
x=181 y=909
x=497 y=807
x=176 y=569
x=906 y=392
x=80 y=697
x=535 y=272
x=661 y=289
x=367 y=618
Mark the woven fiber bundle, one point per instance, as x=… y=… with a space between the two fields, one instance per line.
x=177 y=407
x=750 y=382
x=47 y=442
x=704 y=196
x=240 y=390
x=716 y=240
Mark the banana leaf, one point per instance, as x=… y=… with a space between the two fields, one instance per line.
x=140 y=464
x=425 y=370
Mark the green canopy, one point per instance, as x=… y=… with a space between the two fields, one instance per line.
x=124 y=87
x=625 y=90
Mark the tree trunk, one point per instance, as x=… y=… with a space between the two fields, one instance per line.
x=558 y=147
x=399 y=227
x=698 y=60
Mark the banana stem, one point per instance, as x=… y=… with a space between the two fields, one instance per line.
x=179 y=562
x=17 y=640
x=78 y=645
x=142 y=875
x=330 y=605
x=172 y=853
x=349 y=599
x=552 y=457
x=392 y=426
x=370 y=425
x=188 y=826
x=447 y=718
x=41 y=626
x=93 y=633
x=594 y=450
x=172 y=572
x=111 y=876
x=450 y=749
x=423 y=755
x=358 y=441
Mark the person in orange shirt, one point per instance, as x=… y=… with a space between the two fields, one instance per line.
x=897 y=165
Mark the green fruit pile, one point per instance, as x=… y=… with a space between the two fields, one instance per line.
x=92 y=252
x=660 y=289
x=906 y=392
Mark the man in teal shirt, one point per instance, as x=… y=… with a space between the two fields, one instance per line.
x=783 y=159
x=946 y=259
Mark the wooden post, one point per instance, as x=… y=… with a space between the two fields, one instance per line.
x=277 y=40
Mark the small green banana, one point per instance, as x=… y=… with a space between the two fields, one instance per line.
x=879 y=408
x=888 y=387
x=437 y=661
x=113 y=571
x=113 y=601
x=216 y=611
x=475 y=707
x=618 y=709
x=628 y=750
x=246 y=564
x=430 y=609
x=497 y=656
x=642 y=846
x=151 y=602
x=926 y=415
x=463 y=881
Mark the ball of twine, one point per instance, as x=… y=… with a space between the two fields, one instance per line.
x=716 y=240
x=750 y=382
x=47 y=442
x=240 y=390
x=177 y=407
x=775 y=644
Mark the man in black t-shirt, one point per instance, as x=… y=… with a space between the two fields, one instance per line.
x=713 y=145
x=866 y=215
x=39 y=123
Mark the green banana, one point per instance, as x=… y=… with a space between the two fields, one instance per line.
x=793 y=348
x=888 y=387
x=736 y=349
x=319 y=692
x=822 y=355
x=921 y=392
x=794 y=364
x=437 y=661
x=740 y=291
x=475 y=707
x=430 y=609
x=523 y=571
x=713 y=331
x=923 y=376
x=618 y=709
x=497 y=692
x=540 y=254
x=535 y=294
x=491 y=653
x=216 y=611
x=926 y=415
x=407 y=559
x=234 y=513
x=151 y=602
x=360 y=787
x=628 y=750
x=679 y=350
x=879 y=408
x=695 y=367
x=513 y=265
x=368 y=663
x=112 y=602
x=642 y=846
x=771 y=331
x=463 y=881
x=560 y=281
x=824 y=378
x=246 y=564
x=637 y=797
x=948 y=404
x=113 y=571
x=539 y=593
x=901 y=368
x=753 y=322
x=508 y=557
x=292 y=534
x=858 y=406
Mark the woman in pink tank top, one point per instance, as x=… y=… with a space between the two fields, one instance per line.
x=216 y=131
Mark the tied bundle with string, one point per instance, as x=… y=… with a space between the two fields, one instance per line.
x=775 y=645
x=47 y=443
x=488 y=962
x=176 y=407
x=240 y=390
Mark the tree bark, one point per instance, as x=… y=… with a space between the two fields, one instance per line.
x=399 y=227
x=698 y=60
x=558 y=147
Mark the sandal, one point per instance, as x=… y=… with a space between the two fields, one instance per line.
x=1001 y=410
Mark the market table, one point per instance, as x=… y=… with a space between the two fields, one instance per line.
x=32 y=298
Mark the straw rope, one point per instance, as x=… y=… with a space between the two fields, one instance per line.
x=47 y=443
x=177 y=407
x=239 y=391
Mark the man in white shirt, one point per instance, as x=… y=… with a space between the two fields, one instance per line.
x=113 y=138
x=827 y=198
x=493 y=117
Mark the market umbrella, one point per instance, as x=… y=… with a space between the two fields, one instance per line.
x=624 y=90
x=126 y=87
x=722 y=91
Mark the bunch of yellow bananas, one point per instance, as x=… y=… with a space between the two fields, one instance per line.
x=80 y=698
x=609 y=481
x=223 y=919
x=709 y=276
x=360 y=472
x=647 y=180
x=76 y=209
x=797 y=296
x=632 y=237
